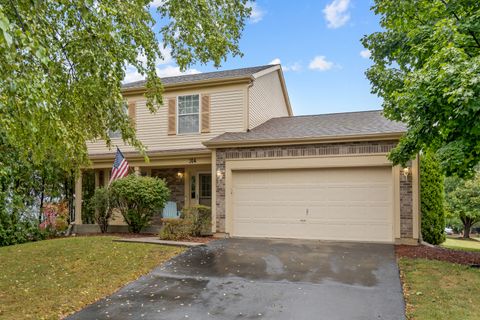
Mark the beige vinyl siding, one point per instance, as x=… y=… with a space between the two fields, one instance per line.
x=227 y=105
x=266 y=100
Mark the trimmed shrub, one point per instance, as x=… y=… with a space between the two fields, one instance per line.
x=15 y=229
x=175 y=229
x=138 y=199
x=432 y=199
x=201 y=219
x=102 y=209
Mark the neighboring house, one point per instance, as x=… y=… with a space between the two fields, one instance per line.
x=229 y=140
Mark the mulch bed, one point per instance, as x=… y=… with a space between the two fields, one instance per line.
x=438 y=253
x=117 y=234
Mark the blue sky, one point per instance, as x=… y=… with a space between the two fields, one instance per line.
x=318 y=45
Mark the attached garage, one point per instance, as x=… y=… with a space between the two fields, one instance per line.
x=322 y=177
x=330 y=204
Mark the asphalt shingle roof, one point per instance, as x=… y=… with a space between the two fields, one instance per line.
x=316 y=126
x=225 y=74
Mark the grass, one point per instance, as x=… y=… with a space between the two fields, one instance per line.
x=440 y=290
x=53 y=278
x=462 y=244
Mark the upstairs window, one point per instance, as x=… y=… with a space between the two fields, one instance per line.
x=188 y=114
x=117 y=133
x=114 y=134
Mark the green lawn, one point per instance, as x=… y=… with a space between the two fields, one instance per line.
x=440 y=290
x=49 y=279
x=462 y=244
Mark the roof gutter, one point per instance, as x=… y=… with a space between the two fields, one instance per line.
x=152 y=154
x=300 y=141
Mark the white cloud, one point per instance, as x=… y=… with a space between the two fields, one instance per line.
x=257 y=13
x=171 y=71
x=132 y=74
x=166 y=56
x=168 y=70
x=365 y=53
x=336 y=13
x=275 y=61
x=157 y=3
x=293 y=67
x=320 y=63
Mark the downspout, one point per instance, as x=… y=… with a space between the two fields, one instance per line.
x=419 y=200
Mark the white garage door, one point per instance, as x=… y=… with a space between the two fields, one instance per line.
x=330 y=204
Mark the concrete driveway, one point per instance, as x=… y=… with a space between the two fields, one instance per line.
x=264 y=279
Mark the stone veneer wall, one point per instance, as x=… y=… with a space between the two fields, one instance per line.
x=350 y=148
x=174 y=183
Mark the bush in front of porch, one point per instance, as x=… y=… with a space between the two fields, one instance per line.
x=103 y=210
x=138 y=198
x=194 y=222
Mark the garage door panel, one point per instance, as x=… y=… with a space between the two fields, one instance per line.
x=264 y=211
x=334 y=204
x=363 y=192
x=329 y=231
x=359 y=214
x=279 y=193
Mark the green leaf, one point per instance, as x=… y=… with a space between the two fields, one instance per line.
x=426 y=67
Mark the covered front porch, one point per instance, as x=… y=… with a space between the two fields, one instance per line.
x=188 y=176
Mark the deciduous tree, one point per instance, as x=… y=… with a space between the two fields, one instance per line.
x=427 y=70
x=63 y=61
x=463 y=201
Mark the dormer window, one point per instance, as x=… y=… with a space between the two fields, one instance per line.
x=188 y=114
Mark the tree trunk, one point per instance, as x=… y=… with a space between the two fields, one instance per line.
x=40 y=210
x=467 y=225
x=42 y=196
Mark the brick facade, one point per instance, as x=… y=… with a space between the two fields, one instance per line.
x=406 y=207
x=336 y=149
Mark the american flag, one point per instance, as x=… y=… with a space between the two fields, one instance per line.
x=120 y=167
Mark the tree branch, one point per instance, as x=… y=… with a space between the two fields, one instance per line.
x=458 y=19
x=20 y=20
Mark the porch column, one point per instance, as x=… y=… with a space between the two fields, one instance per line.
x=78 y=200
x=186 y=186
x=148 y=170
x=106 y=176
x=214 y=191
x=97 y=179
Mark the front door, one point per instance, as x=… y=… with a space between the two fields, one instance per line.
x=205 y=189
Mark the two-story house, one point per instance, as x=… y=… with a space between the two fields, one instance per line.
x=229 y=140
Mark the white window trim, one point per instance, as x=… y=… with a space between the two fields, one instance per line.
x=198 y=184
x=186 y=114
